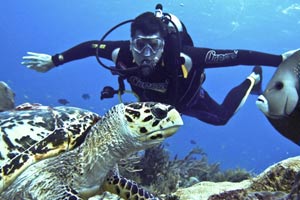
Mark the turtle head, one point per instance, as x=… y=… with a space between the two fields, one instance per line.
x=152 y=122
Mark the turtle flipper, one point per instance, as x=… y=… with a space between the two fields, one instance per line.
x=126 y=189
x=70 y=194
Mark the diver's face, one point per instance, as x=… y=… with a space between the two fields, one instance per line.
x=146 y=49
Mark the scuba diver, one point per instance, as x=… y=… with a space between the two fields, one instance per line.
x=161 y=64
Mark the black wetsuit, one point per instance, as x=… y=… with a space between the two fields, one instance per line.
x=191 y=99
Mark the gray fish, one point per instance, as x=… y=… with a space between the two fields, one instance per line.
x=85 y=96
x=7 y=97
x=63 y=101
x=280 y=100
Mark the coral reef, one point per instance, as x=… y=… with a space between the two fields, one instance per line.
x=163 y=175
x=242 y=194
x=275 y=179
x=278 y=182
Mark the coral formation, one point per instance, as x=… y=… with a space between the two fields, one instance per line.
x=280 y=181
x=163 y=175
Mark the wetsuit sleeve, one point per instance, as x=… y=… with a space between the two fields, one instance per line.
x=211 y=58
x=87 y=49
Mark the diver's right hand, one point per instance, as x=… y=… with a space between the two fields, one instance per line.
x=38 y=61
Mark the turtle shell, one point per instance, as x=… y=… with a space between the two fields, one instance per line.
x=33 y=132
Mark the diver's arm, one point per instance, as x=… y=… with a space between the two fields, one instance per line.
x=212 y=58
x=45 y=62
x=87 y=49
x=248 y=57
x=77 y=52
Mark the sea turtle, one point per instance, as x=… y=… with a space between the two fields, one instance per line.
x=67 y=153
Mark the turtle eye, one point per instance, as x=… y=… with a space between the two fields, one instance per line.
x=159 y=113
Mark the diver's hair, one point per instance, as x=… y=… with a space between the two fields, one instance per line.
x=148 y=24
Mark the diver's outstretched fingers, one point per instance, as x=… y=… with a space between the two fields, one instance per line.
x=38 y=61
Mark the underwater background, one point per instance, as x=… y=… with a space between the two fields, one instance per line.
x=248 y=140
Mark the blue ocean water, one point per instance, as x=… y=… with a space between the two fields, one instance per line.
x=247 y=141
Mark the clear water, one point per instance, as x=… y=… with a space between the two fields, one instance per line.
x=247 y=141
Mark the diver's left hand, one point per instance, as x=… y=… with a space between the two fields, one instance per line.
x=288 y=54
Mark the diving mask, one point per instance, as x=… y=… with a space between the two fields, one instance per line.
x=147 y=45
x=147 y=51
